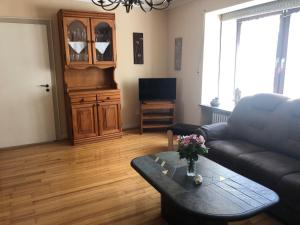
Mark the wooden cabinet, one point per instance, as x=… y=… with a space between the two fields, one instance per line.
x=103 y=39
x=95 y=115
x=93 y=100
x=94 y=118
x=157 y=114
x=85 y=121
x=77 y=36
x=110 y=112
x=89 y=39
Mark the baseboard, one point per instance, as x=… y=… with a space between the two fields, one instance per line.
x=30 y=145
x=131 y=126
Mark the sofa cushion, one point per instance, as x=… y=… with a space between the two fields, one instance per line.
x=227 y=151
x=185 y=129
x=267 y=167
x=290 y=135
x=289 y=190
x=257 y=119
x=215 y=131
x=268 y=120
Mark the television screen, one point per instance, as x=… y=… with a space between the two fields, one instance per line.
x=157 y=89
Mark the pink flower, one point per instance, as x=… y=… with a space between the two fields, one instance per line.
x=191 y=139
x=186 y=140
x=201 y=139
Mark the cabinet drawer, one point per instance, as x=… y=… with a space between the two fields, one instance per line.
x=83 y=99
x=109 y=96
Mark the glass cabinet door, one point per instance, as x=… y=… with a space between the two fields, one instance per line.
x=103 y=38
x=77 y=40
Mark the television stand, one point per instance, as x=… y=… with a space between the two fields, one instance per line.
x=157 y=114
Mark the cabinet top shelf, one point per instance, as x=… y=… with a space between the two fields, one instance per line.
x=103 y=65
x=89 y=90
x=101 y=15
x=156 y=102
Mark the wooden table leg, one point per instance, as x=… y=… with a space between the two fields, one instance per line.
x=175 y=216
x=170 y=140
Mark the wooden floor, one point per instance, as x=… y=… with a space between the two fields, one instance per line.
x=58 y=184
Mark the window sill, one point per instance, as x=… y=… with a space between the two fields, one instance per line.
x=222 y=108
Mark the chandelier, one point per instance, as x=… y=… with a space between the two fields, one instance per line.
x=145 y=5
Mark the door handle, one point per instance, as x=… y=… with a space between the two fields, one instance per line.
x=46 y=86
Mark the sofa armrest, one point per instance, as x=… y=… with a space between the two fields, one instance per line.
x=215 y=131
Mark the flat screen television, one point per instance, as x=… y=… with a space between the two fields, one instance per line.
x=155 y=89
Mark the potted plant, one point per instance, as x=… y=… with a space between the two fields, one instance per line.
x=189 y=148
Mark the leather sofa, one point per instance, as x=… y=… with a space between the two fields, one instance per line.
x=261 y=141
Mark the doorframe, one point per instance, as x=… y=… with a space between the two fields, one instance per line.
x=49 y=27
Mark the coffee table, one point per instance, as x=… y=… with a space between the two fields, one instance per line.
x=222 y=197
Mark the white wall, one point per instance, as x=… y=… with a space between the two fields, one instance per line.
x=188 y=22
x=160 y=29
x=153 y=25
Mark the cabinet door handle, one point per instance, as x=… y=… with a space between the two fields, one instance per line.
x=107 y=98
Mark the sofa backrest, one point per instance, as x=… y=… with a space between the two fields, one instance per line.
x=268 y=120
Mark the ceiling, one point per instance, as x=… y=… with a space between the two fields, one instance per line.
x=177 y=3
x=174 y=4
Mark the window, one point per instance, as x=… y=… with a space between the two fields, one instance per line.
x=260 y=55
x=256 y=55
x=292 y=70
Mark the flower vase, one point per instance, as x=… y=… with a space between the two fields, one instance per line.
x=191 y=168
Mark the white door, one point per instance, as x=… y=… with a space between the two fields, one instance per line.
x=26 y=108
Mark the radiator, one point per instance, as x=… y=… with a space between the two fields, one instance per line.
x=219 y=117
